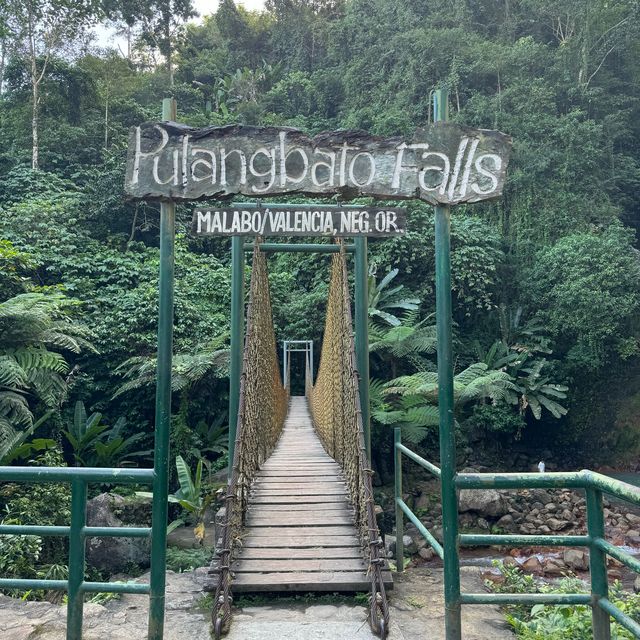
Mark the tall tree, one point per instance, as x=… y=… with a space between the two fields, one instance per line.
x=43 y=29
x=160 y=23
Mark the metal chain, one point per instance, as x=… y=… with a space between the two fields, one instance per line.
x=334 y=401
x=261 y=415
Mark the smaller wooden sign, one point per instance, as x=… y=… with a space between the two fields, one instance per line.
x=299 y=220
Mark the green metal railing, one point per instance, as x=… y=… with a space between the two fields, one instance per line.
x=594 y=485
x=77 y=533
x=79 y=478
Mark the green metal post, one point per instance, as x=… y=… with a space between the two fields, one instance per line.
x=76 y=558
x=397 y=439
x=445 y=404
x=362 y=334
x=601 y=621
x=237 y=335
x=163 y=408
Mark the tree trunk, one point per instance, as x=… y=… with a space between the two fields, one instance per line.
x=3 y=59
x=35 y=91
x=106 y=121
x=35 y=149
x=168 y=46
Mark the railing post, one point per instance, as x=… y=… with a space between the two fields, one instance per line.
x=601 y=621
x=397 y=439
x=362 y=334
x=446 y=406
x=237 y=338
x=163 y=408
x=76 y=558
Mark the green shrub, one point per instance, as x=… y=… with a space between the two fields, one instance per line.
x=559 y=622
x=180 y=560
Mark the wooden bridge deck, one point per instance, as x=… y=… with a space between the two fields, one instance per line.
x=300 y=531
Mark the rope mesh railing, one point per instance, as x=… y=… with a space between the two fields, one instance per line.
x=261 y=415
x=334 y=401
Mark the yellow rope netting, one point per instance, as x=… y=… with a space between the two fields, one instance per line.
x=261 y=415
x=335 y=407
x=334 y=401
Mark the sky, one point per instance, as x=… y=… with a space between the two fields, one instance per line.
x=105 y=36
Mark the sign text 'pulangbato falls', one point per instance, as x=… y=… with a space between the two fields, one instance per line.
x=444 y=163
x=299 y=220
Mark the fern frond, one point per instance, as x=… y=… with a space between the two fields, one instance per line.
x=12 y=375
x=14 y=409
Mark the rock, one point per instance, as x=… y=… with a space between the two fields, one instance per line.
x=482 y=523
x=486 y=502
x=509 y=561
x=553 y=567
x=505 y=522
x=632 y=519
x=495 y=578
x=557 y=525
x=467 y=520
x=427 y=553
x=422 y=502
x=409 y=545
x=112 y=554
x=390 y=545
x=576 y=559
x=532 y=565
x=134 y=510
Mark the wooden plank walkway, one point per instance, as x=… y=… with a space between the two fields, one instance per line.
x=300 y=532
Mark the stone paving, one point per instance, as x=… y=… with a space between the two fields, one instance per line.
x=416 y=614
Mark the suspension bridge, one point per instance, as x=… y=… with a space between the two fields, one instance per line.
x=299 y=509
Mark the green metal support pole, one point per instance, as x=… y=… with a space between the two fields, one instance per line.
x=76 y=559
x=397 y=455
x=237 y=335
x=445 y=404
x=601 y=621
x=163 y=408
x=362 y=335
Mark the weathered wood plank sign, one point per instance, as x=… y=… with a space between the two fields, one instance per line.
x=298 y=220
x=444 y=163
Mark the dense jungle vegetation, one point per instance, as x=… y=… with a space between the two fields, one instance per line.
x=546 y=280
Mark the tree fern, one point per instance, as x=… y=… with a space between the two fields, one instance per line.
x=34 y=327
x=187 y=368
x=414 y=398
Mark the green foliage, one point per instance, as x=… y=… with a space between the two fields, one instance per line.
x=383 y=300
x=19 y=554
x=532 y=390
x=97 y=445
x=416 y=397
x=585 y=289
x=560 y=77
x=407 y=342
x=496 y=420
x=180 y=560
x=194 y=496
x=34 y=329
x=42 y=504
x=187 y=368
x=559 y=622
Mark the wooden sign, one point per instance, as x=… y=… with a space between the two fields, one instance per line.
x=445 y=163
x=299 y=220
